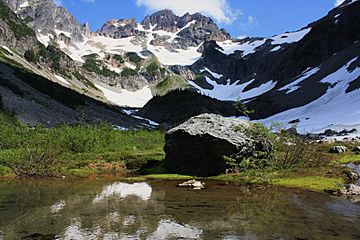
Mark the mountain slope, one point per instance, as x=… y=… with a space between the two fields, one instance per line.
x=301 y=71
x=297 y=76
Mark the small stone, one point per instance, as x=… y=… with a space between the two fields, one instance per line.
x=196 y=185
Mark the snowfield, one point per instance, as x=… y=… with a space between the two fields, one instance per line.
x=335 y=110
x=125 y=98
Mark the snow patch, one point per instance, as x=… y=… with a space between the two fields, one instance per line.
x=290 y=37
x=62 y=80
x=294 y=85
x=44 y=39
x=24 y=4
x=229 y=47
x=235 y=91
x=122 y=97
x=215 y=75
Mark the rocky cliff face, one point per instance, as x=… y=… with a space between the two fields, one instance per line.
x=46 y=16
x=14 y=33
x=121 y=28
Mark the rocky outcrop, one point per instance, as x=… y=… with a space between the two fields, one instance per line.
x=204 y=140
x=121 y=28
x=46 y=16
x=338 y=149
x=356 y=149
x=14 y=33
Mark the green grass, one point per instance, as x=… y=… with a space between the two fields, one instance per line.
x=348 y=158
x=66 y=149
x=160 y=177
x=314 y=183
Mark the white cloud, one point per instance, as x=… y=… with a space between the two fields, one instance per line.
x=338 y=2
x=218 y=9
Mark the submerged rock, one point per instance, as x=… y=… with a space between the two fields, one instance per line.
x=196 y=185
x=198 y=146
x=338 y=149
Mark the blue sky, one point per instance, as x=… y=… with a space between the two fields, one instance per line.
x=239 y=17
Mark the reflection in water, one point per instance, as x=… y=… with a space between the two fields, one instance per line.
x=158 y=210
x=170 y=229
x=122 y=190
x=57 y=206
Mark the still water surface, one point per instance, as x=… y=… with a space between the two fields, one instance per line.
x=158 y=210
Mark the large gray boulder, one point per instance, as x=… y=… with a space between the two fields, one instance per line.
x=198 y=146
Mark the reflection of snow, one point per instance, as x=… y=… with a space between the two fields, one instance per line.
x=57 y=207
x=170 y=229
x=75 y=231
x=122 y=190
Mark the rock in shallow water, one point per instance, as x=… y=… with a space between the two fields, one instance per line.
x=350 y=190
x=196 y=185
x=198 y=146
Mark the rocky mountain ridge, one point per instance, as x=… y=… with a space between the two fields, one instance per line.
x=280 y=77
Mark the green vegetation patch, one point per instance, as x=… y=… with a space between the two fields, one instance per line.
x=314 y=183
x=128 y=72
x=79 y=149
x=133 y=57
x=171 y=83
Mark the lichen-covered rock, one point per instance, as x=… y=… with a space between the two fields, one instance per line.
x=198 y=146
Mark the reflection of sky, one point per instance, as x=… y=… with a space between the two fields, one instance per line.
x=345 y=208
x=122 y=190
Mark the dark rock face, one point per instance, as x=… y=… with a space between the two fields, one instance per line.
x=198 y=146
x=178 y=106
